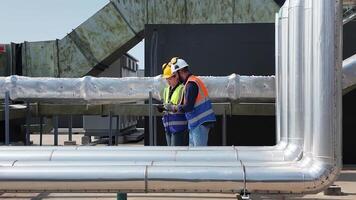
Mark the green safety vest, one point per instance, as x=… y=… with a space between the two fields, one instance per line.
x=174 y=122
x=176 y=96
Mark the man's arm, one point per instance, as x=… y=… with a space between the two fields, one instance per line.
x=190 y=95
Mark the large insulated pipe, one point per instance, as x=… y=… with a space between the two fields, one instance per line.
x=17 y=163
x=295 y=61
x=278 y=77
x=101 y=90
x=145 y=153
x=327 y=74
x=308 y=75
x=230 y=179
x=284 y=73
x=324 y=161
x=142 y=155
x=287 y=178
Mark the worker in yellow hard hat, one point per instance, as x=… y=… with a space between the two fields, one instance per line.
x=175 y=124
x=196 y=104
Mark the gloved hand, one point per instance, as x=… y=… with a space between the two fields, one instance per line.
x=160 y=108
x=170 y=107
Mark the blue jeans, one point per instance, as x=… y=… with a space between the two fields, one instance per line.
x=177 y=139
x=199 y=136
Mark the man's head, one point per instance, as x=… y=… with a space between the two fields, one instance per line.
x=172 y=79
x=180 y=68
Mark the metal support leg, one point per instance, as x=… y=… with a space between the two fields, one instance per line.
x=55 y=126
x=154 y=130
x=150 y=119
x=27 y=129
x=41 y=130
x=224 y=138
x=70 y=128
x=7 y=118
x=118 y=122
x=110 y=128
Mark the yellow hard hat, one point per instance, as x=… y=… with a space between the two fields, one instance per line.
x=167 y=71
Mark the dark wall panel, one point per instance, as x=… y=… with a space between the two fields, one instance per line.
x=349 y=100
x=246 y=49
x=349 y=38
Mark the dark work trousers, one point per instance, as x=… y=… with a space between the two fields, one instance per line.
x=177 y=139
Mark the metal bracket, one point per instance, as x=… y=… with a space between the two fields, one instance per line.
x=244 y=194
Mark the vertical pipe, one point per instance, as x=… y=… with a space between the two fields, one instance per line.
x=224 y=139
x=41 y=130
x=154 y=130
x=278 y=79
x=110 y=128
x=284 y=68
x=338 y=28
x=70 y=128
x=7 y=117
x=55 y=133
x=27 y=129
x=327 y=64
x=296 y=101
x=308 y=63
x=118 y=122
x=150 y=119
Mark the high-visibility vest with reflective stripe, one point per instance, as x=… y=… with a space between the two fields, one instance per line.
x=174 y=122
x=202 y=111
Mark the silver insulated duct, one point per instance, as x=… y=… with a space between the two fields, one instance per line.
x=108 y=90
x=306 y=160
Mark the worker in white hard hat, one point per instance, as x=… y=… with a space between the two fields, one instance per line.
x=175 y=123
x=195 y=104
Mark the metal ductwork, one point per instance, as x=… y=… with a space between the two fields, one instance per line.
x=349 y=74
x=303 y=162
x=119 y=26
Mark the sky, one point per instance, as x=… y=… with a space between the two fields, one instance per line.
x=39 y=20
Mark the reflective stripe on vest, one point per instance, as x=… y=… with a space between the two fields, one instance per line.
x=202 y=111
x=174 y=122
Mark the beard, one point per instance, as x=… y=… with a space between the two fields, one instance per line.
x=180 y=78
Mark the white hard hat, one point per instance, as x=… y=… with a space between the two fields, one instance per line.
x=177 y=64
